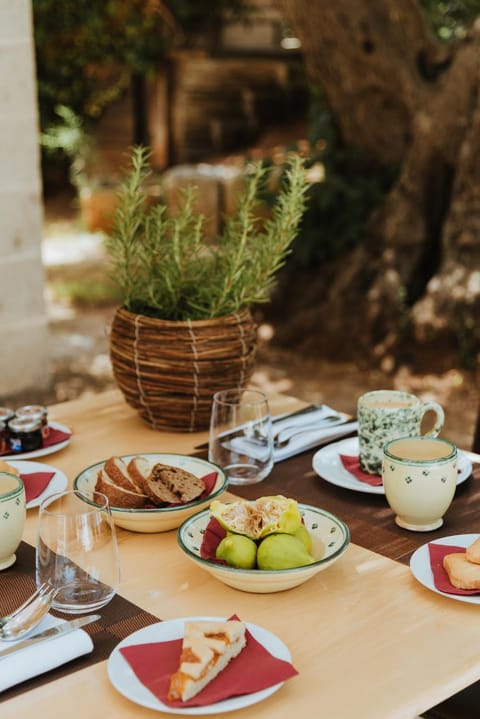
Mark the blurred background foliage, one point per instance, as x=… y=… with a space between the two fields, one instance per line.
x=88 y=50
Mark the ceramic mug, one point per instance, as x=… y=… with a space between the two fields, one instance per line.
x=387 y=414
x=13 y=513
x=419 y=477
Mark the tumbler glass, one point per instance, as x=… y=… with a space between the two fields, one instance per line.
x=241 y=435
x=77 y=551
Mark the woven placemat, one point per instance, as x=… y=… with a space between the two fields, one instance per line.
x=119 y=618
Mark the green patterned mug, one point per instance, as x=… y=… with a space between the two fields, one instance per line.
x=387 y=414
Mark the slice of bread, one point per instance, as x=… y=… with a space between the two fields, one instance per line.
x=172 y=485
x=139 y=469
x=473 y=552
x=462 y=573
x=117 y=470
x=118 y=496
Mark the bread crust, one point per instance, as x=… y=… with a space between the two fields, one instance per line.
x=462 y=573
x=117 y=470
x=172 y=485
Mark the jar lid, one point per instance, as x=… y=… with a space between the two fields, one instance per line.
x=25 y=424
x=31 y=410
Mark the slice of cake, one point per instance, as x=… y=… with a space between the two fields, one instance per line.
x=207 y=648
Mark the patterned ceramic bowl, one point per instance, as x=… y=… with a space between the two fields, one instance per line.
x=330 y=538
x=158 y=519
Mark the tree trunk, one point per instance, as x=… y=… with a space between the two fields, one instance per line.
x=403 y=98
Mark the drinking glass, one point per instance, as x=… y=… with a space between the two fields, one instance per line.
x=77 y=551
x=241 y=435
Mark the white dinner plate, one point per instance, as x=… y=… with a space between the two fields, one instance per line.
x=125 y=680
x=42 y=451
x=422 y=570
x=57 y=484
x=328 y=465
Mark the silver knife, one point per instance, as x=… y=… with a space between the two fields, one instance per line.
x=51 y=633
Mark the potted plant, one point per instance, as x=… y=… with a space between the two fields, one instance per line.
x=185 y=328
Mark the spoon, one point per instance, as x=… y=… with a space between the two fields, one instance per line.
x=27 y=616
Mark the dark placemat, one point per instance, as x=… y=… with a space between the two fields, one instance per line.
x=369 y=518
x=119 y=618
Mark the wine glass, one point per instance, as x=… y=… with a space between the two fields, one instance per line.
x=77 y=552
x=241 y=435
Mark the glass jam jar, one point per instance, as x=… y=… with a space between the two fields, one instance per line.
x=25 y=434
x=6 y=414
x=35 y=411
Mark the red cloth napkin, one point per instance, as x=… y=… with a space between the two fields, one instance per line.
x=55 y=437
x=213 y=535
x=440 y=577
x=352 y=465
x=251 y=671
x=35 y=483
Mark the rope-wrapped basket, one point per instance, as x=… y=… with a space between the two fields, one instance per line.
x=169 y=371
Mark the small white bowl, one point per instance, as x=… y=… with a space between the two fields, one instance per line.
x=330 y=538
x=158 y=519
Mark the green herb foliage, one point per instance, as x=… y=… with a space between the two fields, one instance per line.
x=164 y=267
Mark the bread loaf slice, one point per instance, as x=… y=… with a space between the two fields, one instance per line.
x=116 y=469
x=118 y=496
x=462 y=573
x=172 y=485
x=139 y=469
x=473 y=552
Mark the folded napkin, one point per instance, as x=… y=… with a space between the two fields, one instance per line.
x=352 y=465
x=311 y=437
x=35 y=483
x=251 y=671
x=41 y=657
x=440 y=576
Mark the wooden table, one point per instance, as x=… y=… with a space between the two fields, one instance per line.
x=368 y=641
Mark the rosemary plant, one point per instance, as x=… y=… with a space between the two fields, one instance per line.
x=165 y=269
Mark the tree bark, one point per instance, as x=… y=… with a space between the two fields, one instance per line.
x=404 y=98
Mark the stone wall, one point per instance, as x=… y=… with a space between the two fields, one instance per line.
x=23 y=320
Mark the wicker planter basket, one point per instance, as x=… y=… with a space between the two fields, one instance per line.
x=169 y=371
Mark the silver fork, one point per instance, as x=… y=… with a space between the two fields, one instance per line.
x=26 y=617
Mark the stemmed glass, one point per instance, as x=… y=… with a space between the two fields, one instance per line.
x=241 y=435
x=77 y=552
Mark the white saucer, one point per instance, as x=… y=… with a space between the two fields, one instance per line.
x=57 y=484
x=125 y=681
x=42 y=451
x=328 y=465
x=422 y=571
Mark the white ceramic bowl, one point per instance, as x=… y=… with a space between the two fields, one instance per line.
x=159 y=519
x=330 y=538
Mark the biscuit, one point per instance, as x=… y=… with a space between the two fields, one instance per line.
x=462 y=573
x=473 y=552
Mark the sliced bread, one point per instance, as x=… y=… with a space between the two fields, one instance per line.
x=116 y=469
x=118 y=496
x=172 y=485
x=139 y=469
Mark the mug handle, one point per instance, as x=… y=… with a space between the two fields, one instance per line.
x=439 y=421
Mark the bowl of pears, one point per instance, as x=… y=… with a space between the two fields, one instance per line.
x=263 y=546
